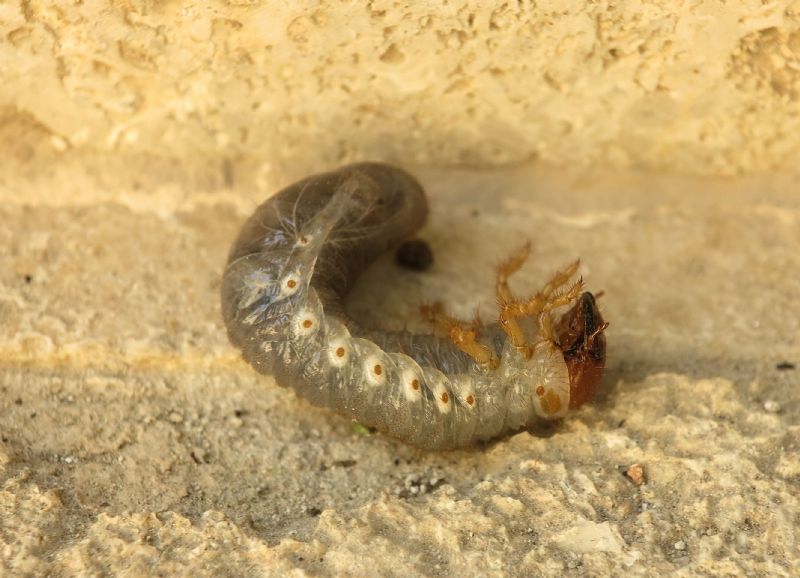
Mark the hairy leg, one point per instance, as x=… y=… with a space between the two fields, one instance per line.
x=506 y=301
x=539 y=306
x=464 y=334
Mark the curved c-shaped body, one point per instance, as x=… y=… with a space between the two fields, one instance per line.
x=282 y=301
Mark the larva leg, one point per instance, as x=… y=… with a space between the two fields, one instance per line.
x=560 y=278
x=540 y=305
x=506 y=299
x=462 y=333
x=507 y=268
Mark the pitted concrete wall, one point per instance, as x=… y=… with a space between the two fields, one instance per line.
x=706 y=87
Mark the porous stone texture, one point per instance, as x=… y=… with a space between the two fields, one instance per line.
x=707 y=87
x=134 y=440
x=135 y=139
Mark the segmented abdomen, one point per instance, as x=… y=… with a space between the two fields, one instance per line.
x=282 y=301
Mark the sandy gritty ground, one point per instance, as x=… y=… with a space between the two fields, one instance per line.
x=134 y=441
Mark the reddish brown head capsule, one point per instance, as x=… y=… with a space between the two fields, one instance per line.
x=581 y=339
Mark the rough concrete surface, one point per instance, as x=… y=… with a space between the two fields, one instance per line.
x=136 y=442
x=136 y=137
x=708 y=87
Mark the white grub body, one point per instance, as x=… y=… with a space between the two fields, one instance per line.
x=282 y=300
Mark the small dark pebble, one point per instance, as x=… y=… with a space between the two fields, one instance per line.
x=415 y=254
x=28 y=278
x=784 y=366
x=313 y=512
x=240 y=412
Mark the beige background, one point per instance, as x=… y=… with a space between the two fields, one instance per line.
x=703 y=87
x=658 y=141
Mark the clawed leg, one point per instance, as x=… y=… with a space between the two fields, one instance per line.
x=462 y=333
x=557 y=292
x=560 y=278
x=551 y=296
x=508 y=268
x=505 y=298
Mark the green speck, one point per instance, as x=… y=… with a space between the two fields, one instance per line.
x=360 y=429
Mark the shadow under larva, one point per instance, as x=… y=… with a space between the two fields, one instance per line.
x=283 y=291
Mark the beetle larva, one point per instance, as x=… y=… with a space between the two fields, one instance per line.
x=282 y=300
